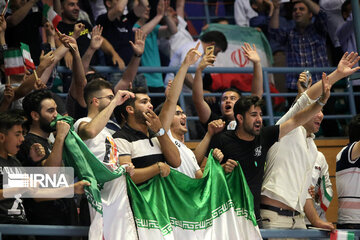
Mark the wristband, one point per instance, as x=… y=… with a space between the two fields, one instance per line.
x=137 y=55
x=320 y=102
x=159 y=168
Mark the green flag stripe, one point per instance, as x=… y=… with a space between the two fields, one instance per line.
x=326 y=194
x=12 y=53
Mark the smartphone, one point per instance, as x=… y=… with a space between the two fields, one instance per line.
x=210 y=50
x=46 y=48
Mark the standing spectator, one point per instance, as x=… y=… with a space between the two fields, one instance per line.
x=118 y=26
x=243 y=12
x=81 y=31
x=347 y=179
x=151 y=56
x=306 y=42
x=23 y=26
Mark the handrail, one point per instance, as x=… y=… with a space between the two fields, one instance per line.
x=266 y=70
x=53 y=230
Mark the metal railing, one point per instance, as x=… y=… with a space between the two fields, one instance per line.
x=267 y=94
x=78 y=231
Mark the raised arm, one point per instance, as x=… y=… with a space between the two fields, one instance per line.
x=274 y=19
x=109 y=50
x=149 y=26
x=170 y=28
x=306 y=114
x=214 y=127
x=132 y=67
x=20 y=14
x=116 y=11
x=313 y=6
x=257 y=82
x=180 y=6
x=95 y=44
x=168 y=110
x=355 y=153
x=202 y=108
x=96 y=125
x=345 y=68
x=168 y=148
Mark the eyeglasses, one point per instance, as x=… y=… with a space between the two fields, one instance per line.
x=110 y=97
x=178 y=113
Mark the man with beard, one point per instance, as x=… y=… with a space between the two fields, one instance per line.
x=40 y=111
x=229 y=96
x=143 y=140
x=249 y=143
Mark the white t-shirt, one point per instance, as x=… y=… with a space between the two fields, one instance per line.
x=181 y=38
x=113 y=194
x=243 y=12
x=347 y=186
x=189 y=165
x=290 y=163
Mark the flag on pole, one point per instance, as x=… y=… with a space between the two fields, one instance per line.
x=51 y=15
x=324 y=196
x=217 y=206
x=14 y=63
x=25 y=50
x=342 y=235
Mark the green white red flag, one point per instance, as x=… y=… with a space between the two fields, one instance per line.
x=342 y=235
x=51 y=15
x=324 y=195
x=14 y=63
x=25 y=50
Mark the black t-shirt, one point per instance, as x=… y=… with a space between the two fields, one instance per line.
x=54 y=212
x=119 y=33
x=27 y=31
x=74 y=109
x=7 y=214
x=214 y=116
x=250 y=154
x=83 y=40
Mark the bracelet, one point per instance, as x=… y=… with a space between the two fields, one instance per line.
x=320 y=102
x=137 y=55
x=158 y=163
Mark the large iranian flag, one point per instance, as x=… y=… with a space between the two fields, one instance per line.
x=217 y=206
x=236 y=36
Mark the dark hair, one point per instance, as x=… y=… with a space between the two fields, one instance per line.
x=345 y=5
x=217 y=37
x=244 y=104
x=9 y=119
x=354 y=129
x=32 y=102
x=231 y=90
x=94 y=86
x=120 y=111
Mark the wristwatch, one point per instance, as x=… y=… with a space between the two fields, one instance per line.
x=160 y=132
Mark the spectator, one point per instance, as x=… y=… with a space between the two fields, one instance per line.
x=151 y=56
x=40 y=110
x=174 y=121
x=321 y=196
x=347 y=179
x=284 y=202
x=306 y=42
x=229 y=96
x=143 y=141
x=23 y=26
x=92 y=129
x=118 y=27
x=243 y=12
x=81 y=30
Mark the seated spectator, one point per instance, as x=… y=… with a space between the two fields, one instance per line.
x=23 y=26
x=347 y=179
x=143 y=140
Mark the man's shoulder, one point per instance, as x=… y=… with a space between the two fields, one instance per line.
x=11 y=161
x=102 y=18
